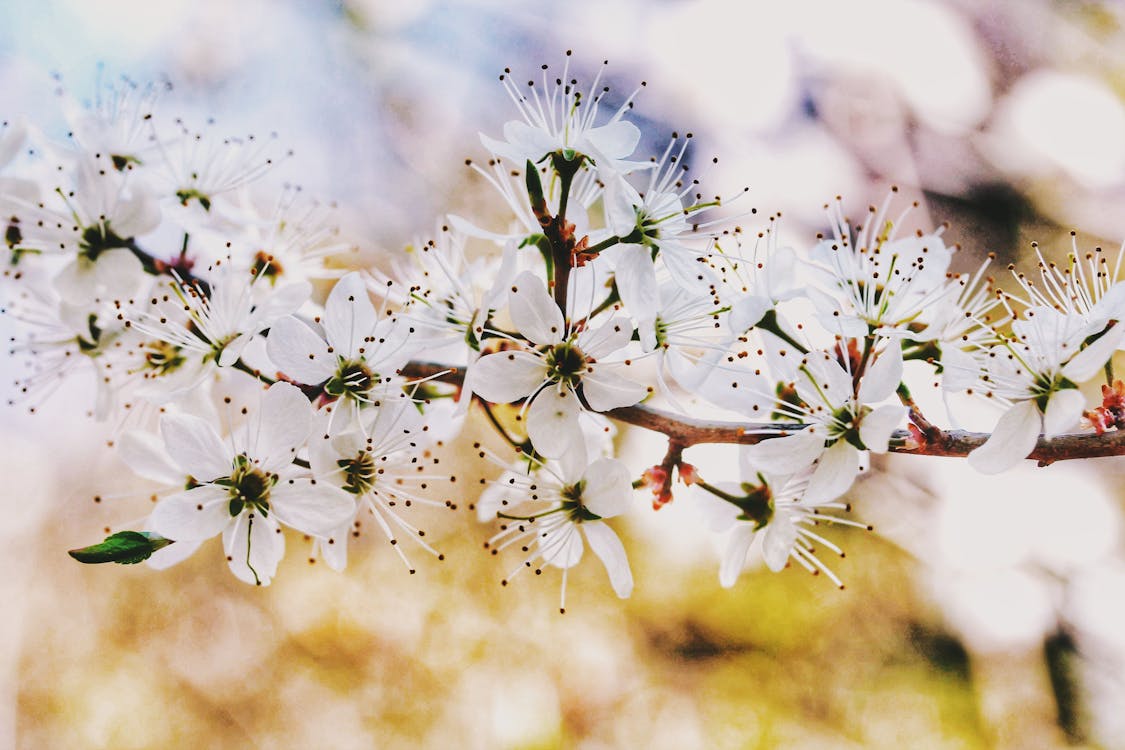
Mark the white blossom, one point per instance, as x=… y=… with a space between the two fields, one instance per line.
x=357 y=356
x=841 y=422
x=558 y=370
x=769 y=515
x=1035 y=374
x=560 y=118
x=547 y=514
x=246 y=488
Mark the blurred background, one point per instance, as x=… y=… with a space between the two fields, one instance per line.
x=983 y=613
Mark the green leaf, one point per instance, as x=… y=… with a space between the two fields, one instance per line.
x=125 y=547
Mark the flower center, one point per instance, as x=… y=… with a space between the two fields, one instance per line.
x=353 y=379
x=359 y=472
x=845 y=425
x=265 y=265
x=249 y=486
x=565 y=364
x=162 y=358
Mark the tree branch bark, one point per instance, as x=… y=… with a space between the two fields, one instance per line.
x=688 y=431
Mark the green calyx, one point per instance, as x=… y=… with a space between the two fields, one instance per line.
x=91 y=346
x=845 y=425
x=187 y=195
x=98 y=238
x=757 y=504
x=572 y=503
x=1045 y=386
x=121 y=162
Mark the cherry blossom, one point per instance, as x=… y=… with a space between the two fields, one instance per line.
x=247 y=488
x=548 y=513
x=561 y=371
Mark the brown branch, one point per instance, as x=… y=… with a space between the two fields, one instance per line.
x=687 y=431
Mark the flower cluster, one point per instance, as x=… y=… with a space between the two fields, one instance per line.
x=617 y=292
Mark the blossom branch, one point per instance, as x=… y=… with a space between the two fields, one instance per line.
x=685 y=432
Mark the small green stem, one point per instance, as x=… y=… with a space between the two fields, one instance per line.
x=769 y=323
x=243 y=367
x=603 y=245
x=720 y=493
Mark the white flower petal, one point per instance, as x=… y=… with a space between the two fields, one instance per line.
x=1111 y=305
x=883 y=377
x=787 y=455
x=312 y=508
x=140 y=214
x=685 y=267
x=75 y=282
x=1086 y=363
x=741 y=390
x=280 y=427
x=173 y=554
x=1013 y=438
x=552 y=422
x=1064 y=409
x=607 y=338
x=349 y=317
x=192 y=516
x=607 y=546
x=609 y=488
x=195 y=447
x=747 y=311
x=255 y=546
x=835 y=473
x=605 y=389
x=533 y=311
x=527 y=142
x=734 y=556
x=562 y=546
x=285 y=300
x=334 y=547
x=573 y=464
x=876 y=427
x=615 y=140
x=145 y=455
x=621 y=201
x=298 y=352
x=504 y=377
x=778 y=540
x=635 y=276
x=717 y=514
x=958 y=369
x=118 y=274
x=823 y=381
